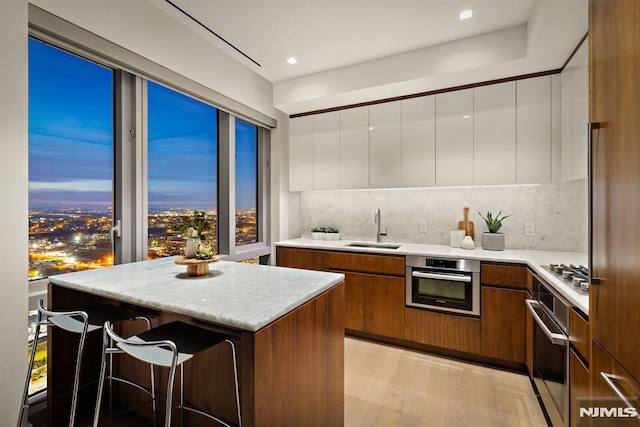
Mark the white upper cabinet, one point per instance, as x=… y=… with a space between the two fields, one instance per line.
x=385 y=145
x=326 y=151
x=354 y=148
x=494 y=134
x=454 y=138
x=419 y=142
x=301 y=154
x=575 y=115
x=533 y=124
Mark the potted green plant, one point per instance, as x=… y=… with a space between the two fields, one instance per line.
x=493 y=240
x=316 y=233
x=332 y=233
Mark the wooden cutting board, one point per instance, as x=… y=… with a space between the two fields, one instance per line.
x=466 y=225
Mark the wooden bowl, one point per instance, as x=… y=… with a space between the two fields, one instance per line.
x=197 y=267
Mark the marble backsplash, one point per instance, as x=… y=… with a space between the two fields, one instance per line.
x=559 y=212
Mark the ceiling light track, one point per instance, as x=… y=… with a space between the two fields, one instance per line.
x=212 y=32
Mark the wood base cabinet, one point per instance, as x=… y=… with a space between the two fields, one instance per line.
x=578 y=387
x=504 y=324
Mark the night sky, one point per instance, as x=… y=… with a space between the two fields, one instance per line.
x=71 y=140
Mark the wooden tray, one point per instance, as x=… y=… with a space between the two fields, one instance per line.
x=197 y=267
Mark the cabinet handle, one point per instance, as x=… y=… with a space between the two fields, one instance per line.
x=555 y=338
x=609 y=379
x=590 y=147
x=435 y=276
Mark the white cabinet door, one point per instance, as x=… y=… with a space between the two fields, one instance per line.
x=454 y=138
x=354 y=148
x=385 y=145
x=326 y=151
x=533 y=124
x=419 y=142
x=580 y=114
x=301 y=153
x=494 y=134
x=566 y=125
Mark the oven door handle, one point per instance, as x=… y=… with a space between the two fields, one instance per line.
x=555 y=338
x=438 y=276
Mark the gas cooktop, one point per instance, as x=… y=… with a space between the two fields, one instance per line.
x=577 y=276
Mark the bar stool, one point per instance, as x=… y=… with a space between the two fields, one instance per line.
x=80 y=322
x=169 y=345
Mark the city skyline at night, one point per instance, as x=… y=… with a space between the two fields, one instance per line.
x=71 y=140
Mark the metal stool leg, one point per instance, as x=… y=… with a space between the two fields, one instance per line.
x=76 y=380
x=235 y=376
x=170 y=381
x=25 y=395
x=103 y=368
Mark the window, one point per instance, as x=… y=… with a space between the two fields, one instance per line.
x=246 y=137
x=70 y=170
x=182 y=167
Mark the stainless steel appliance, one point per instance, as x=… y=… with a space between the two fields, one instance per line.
x=551 y=350
x=576 y=275
x=450 y=285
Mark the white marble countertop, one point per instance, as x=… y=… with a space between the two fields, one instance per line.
x=242 y=296
x=532 y=258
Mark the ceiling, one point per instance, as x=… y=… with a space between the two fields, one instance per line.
x=327 y=34
x=352 y=51
x=349 y=51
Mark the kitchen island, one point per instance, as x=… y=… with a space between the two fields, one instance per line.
x=289 y=326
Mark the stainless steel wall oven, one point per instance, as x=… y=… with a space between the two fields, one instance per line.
x=551 y=351
x=449 y=285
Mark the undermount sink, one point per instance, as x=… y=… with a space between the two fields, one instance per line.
x=373 y=245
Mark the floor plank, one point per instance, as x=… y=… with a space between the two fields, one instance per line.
x=387 y=386
x=390 y=386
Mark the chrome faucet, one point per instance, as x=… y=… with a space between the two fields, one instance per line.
x=380 y=234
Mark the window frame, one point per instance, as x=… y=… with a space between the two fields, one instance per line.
x=130 y=182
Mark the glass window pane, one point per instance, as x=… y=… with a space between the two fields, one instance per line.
x=246 y=183
x=70 y=162
x=183 y=167
x=70 y=171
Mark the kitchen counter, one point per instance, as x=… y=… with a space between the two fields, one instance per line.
x=285 y=322
x=534 y=259
x=221 y=297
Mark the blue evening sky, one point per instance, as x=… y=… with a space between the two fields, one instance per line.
x=71 y=140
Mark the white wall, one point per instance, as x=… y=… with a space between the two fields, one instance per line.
x=558 y=210
x=285 y=206
x=14 y=208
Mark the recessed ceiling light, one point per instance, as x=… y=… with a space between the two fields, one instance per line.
x=466 y=14
x=466 y=116
x=292 y=60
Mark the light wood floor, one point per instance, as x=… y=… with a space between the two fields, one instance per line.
x=388 y=386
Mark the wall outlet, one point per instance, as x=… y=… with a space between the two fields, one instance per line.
x=314 y=222
x=424 y=226
x=529 y=229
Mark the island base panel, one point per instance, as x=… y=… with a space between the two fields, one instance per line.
x=291 y=372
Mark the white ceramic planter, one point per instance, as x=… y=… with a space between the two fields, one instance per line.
x=493 y=241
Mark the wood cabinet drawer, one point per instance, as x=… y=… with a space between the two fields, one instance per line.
x=602 y=362
x=579 y=334
x=392 y=265
x=307 y=259
x=444 y=330
x=503 y=275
